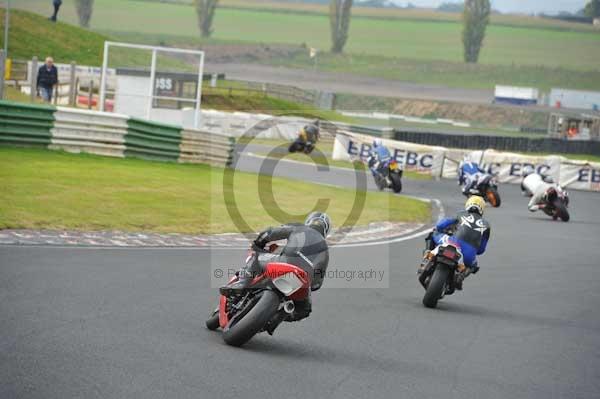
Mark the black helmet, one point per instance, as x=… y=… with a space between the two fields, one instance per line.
x=311 y=130
x=320 y=222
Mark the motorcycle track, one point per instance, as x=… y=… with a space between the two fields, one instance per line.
x=118 y=322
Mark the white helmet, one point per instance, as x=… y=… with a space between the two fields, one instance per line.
x=377 y=143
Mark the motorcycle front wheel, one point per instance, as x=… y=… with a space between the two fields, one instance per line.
x=212 y=323
x=243 y=327
x=436 y=286
x=561 y=212
x=396 y=182
x=380 y=182
x=295 y=147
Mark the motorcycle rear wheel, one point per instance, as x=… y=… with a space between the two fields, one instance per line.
x=435 y=288
x=253 y=320
x=396 y=182
x=308 y=149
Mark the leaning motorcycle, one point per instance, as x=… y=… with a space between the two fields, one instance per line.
x=440 y=269
x=266 y=303
x=388 y=175
x=303 y=143
x=487 y=187
x=556 y=204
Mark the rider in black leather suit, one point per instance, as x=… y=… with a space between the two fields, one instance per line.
x=306 y=248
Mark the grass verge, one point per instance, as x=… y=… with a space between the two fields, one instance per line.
x=449 y=73
x=222 y=99
x=43 y=189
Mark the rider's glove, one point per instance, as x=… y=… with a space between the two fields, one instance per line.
x=261 y=240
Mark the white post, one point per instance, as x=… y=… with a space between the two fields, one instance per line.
x=152 y=78
x=72 y=85
x=33 y=78
x=199 y=92
x=103 y=77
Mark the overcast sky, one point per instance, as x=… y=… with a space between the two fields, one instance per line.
x=521 y=6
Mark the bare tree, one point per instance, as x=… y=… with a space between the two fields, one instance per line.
x=339 y=18
x=84 y=11
x=476 y=17
x=206 y=12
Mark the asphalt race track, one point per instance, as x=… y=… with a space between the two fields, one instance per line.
x=129 y=323
x=338 y=82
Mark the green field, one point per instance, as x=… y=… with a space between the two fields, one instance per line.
x=238 y=99
x=31 y=35
x=407 y=39
x=44 y=189
x=419 y=46
x=422 y=46
x=38 y=36
x=451 y=74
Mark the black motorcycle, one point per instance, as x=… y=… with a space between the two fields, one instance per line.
x=300 y=145
x=388 y=175
x=306 y=140
x=487 y=187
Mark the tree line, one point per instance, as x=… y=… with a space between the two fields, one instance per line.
x=475 y=18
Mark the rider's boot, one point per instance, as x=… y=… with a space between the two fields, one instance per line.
x=302 y=309
x=429 y=246
x=460 y=277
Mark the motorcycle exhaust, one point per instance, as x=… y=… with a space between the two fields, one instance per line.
x=288 y=307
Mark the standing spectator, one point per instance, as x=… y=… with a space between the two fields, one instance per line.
x=56 y=4
x=46 y=79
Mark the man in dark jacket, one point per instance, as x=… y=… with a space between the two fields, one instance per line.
x=46 y=79
x=56 y=4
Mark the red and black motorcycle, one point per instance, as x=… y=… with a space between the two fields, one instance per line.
x=263 y=305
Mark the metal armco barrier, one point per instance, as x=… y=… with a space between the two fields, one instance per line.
x=25 y=124
x=108 y=134
x=151 y=140
x=200 y=147
x=87 y=131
